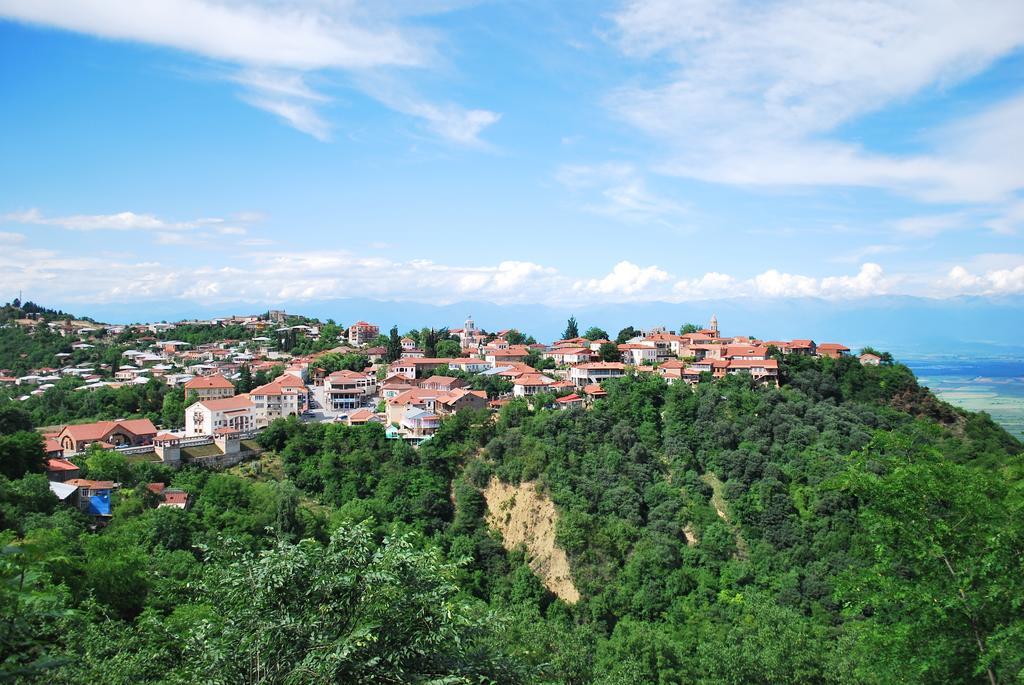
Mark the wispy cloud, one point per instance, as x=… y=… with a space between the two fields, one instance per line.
x=122 y=221
x=857 y=255
x=618 y=190
x=757 y=91
x=273 y=47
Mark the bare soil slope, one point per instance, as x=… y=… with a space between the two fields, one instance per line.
x=525 y=517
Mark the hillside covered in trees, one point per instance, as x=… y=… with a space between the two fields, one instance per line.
x=847 y=527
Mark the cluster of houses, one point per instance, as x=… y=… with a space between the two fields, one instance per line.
x=94 y=497
x=410 y=395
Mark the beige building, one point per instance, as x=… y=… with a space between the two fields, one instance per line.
x=284 y=396
x=207 y=416
x=213 y=387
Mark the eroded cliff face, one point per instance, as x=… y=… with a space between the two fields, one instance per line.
x=525 y=517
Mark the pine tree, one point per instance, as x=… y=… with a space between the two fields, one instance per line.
x=572 y=329
x=394 y=345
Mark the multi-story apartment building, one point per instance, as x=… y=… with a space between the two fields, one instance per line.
x=207 y=416
x=213 y=387
x=361 y=333
x=349 y=389
x=595 y=372
x=284 y=396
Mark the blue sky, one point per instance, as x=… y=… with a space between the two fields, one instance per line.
x=276 y=153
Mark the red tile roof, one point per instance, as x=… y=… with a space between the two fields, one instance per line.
x=209 y=382
x=176 y=497
x=228 y=403
x=60 y=465
x=100 y=429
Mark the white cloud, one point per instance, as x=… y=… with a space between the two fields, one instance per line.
x=756 y=91
x=122 y=221
x=262 y=275
x=1009 y=221
x=711 y=284
x=960 y=281
x=231 y=230
x=273 y=46
x=625 y=278
x=773 y=283
x=8 y=238
x=870 y=280
x=173 y=239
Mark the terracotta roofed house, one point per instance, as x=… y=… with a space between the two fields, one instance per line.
x=210 y=387
x=832 y=350
x=207 y=416
x=284 y=396
x=595 y=372
x=130 y=432
x=442 y=383
x=800 y=347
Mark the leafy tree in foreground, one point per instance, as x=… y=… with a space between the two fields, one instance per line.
x=349 y=612
x=943 y=549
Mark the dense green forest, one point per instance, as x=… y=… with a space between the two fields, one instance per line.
x=845 y=528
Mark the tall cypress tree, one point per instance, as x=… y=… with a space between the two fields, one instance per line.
x=572 y=329
x=394 y=345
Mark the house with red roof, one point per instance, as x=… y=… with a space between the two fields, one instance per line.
x=569 y=401
x=832 y=350
x=207 y=416
x=284 y=396
x=595 y=372
x=131 y=432
x=60 y=470
x=211 y=387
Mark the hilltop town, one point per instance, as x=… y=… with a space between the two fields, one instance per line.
x=244 y=372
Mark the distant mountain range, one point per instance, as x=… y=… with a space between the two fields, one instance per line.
x=905 y=325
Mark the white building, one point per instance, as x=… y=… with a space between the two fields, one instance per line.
x=205 y=417
x=349 y=389
x=595 y=372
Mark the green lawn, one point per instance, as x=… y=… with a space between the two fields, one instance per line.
x=210 y=450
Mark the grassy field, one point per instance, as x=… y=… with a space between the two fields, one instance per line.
x=145 y=456
x=210 y=450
